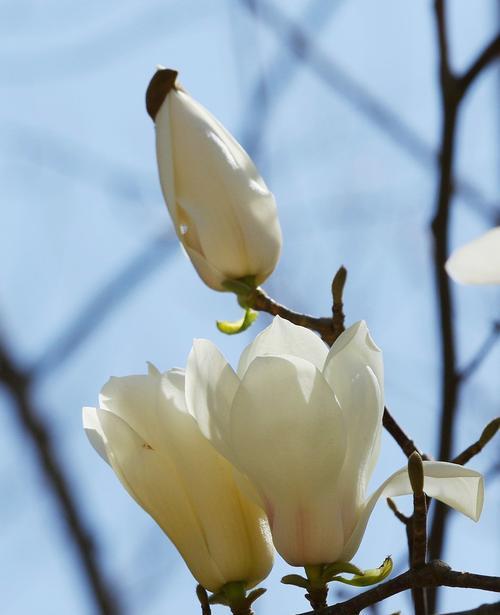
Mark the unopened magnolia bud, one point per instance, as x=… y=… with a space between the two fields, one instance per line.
x=416 y=473
x=223 y=212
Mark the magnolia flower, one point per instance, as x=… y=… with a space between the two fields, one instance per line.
x=477 y=262
x=142 y=429
x=303 y=424
x=223 y=212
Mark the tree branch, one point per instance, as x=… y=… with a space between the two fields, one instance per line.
x=404 y=441
x=417 y=528
x=471 y=451
x=483 y=60
x=433 y=574
x=18 y=386
x=483 y=609
x=450 y=99
x=263 y=303
x=482 y=353
x=306 y=50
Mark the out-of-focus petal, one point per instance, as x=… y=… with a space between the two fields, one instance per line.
x=477 y=262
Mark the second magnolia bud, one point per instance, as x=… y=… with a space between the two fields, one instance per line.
x=223 y=212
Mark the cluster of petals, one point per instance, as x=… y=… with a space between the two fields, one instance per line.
x=286 y=444
x=302 y=423
x=143 y=431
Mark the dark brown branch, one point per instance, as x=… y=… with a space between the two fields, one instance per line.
x=482 y=353
x=417 y=528
x=483 y=609
x=471 y=451
x=202 y=595
x=450 y=99
x=263 y=303
x=338 y=316
x=404 y=441
x=17 y=384
x=490 y=53
x=433 y=574
x=325 y=327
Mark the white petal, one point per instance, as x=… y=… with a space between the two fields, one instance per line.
x=210 y=388
x=221 y=193
x=165 y=160
x=477 y=262
x=147 y=403
x=283 y=337
x=190 y=492
x=354 y=369
x=288 y=437
x=356 y=345
x=94 y=432
x=454 y=485
x=207 y=272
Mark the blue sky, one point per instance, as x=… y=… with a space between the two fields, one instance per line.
x=80 y=200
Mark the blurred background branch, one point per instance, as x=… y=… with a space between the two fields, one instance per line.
x=19 y=386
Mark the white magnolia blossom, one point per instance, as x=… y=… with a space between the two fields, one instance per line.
x=477 y=262
x=223 y=212
x=142 y=429
x=303 y=424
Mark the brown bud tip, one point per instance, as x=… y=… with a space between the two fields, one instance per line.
x=159 y=86
x=392 y=505
x=416 y=473
x=338 y=284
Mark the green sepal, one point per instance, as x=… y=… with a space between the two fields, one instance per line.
x=242 y=286
x=331 y=570
x=233 y=595
x=218 y=598
x=369 y=577
x=255 y=594
x=231 y=328
x=295 y=579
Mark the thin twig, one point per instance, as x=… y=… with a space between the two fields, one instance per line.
x=488 y=433
x=418 y=531
x=18 y=386
x=483 y=60
x=484 y=609
x=482 y=353
x=262 y=302
x=338 y=316
x=202 y=595
x=433 y=574
x=440 y=227
x=404 y=441
x=452 y=89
